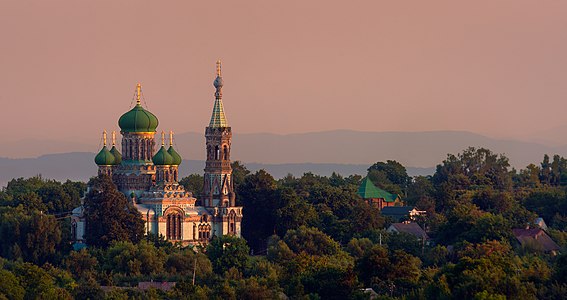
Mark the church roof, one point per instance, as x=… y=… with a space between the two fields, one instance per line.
x=411 y=228
x=367 y=190
x=218 y=119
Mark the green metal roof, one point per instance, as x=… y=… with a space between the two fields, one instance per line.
x=367 y=190
x=104 y=157
x=176 y=157
x=162 y=157
x=138 y=120
x=218 y=119
x=117 y=155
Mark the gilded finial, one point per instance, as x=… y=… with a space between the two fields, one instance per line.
x=218 y=81
x=162 y=138
x=104 y=137
x=113 y=138
x=219 y=68
x=170 y=138
x=138 y=93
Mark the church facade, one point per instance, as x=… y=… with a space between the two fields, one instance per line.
x=150 y=178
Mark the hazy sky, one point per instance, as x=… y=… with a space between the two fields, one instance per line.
x=69 y=68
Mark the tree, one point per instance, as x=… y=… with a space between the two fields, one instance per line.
x=260 y=201
x=312 y=241
x=110 y=216
x=81 y=264
x=193 y=183
x=294 y=213
x=391 y=176
x=30 y=235
x=227 y=252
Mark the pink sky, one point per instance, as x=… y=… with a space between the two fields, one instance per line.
x=69 y=68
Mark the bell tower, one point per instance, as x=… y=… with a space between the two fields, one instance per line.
x=218 y=189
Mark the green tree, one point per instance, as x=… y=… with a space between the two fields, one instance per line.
x=227 y=252
x=110 y=216
x=30 y=235
x=391 y=176
x=261 y=202
x=294 y=213
x=10 y=286
x=312 y=241
x=193 y=183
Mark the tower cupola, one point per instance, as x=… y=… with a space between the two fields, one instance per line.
x=176 y=157
x=138 y=119
x=104 y=156
x=162 y=157
x=114 y=151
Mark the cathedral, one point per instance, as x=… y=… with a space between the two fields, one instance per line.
x=149 y=178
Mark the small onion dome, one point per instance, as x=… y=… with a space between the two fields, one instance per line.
x=162 y=157
x=105 y=157
x=138 y=120
x=176 y=157
x=117 y=155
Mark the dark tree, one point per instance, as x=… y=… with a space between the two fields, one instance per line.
x=226 y=252
x=110 y=216
x=193 y=183
x=260 y=201
x=30 y=235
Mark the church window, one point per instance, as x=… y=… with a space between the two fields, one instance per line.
x=217 y=152
x=174 y=226
x=232 y=223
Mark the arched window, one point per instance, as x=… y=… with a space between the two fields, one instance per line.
x=174 y=227
x=204 y=232
x=232 y=223
x=226 y=152
x=217 y=152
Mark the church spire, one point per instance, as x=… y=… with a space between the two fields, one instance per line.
x=104 y=137
x=218 y=119
x=138 y=93
x=113 y=138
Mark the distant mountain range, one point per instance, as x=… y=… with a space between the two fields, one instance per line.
x=80 y=166
x=345 y=152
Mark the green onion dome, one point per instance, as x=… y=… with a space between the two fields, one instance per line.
x=176 y=157
x=105 y=157
x=138 y=120
x=117 y=155
x=162 y=158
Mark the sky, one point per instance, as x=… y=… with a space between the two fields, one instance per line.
x=68 y=69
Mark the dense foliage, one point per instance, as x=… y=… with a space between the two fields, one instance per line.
x=306 y=238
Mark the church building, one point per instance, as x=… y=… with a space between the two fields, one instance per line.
x=150 y=178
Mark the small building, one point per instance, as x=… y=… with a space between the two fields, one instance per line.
x=536 y=237
x=377 y=197
x=401 y=213
x=411 y=228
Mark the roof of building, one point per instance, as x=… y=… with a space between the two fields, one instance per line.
x=397 y=210
x=411 y=228
x=105 y=157
x=176 y=157
x=138 y=119
x=536 y=235
x=162 y=157
x=218 y=118
x=367 y=190
x=164 y=286
x=117 y=155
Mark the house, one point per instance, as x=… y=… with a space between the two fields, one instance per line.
x=400 y=213
x=377 y=197
x=411 y=228
x=535 y=237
